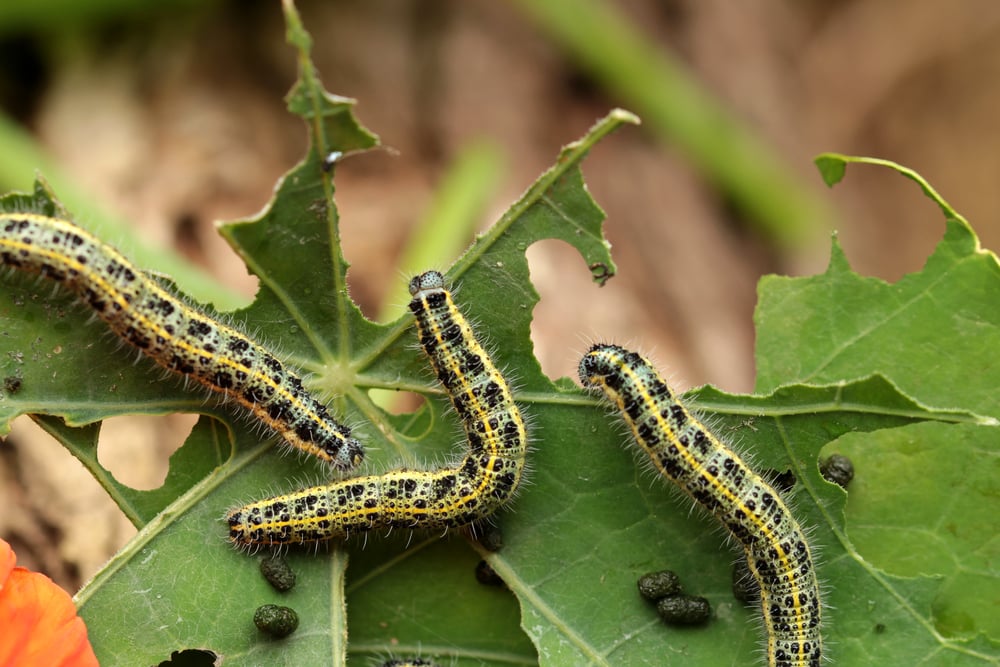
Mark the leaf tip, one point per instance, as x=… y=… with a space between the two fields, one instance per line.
x=602 y=272
x=295 y=32
x=603 y=127
x=622 y=116
x=831 y=168
x=838 y=258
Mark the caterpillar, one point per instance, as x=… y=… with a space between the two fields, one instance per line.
x=176 y=336
x=684 y=451
x=482 y=482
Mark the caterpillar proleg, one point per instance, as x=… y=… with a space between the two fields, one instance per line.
x=685 y=452
x=175 y=335
x=474 y=488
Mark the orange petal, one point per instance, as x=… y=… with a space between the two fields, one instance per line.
x=39 y=621
x=7 y=560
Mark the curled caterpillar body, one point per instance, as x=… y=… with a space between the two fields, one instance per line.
x=482 y=482
x=684 y=451
x=176 y=336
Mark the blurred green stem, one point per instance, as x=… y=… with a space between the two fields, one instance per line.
x=444 y=230
x=447 y=226
x=679 y=111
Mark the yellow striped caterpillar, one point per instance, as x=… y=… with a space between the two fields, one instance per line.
x=685 y=452
x=174 y=335
x=483 y=481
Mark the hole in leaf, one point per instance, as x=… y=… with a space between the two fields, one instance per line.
x=67 y=522
x=191 y=657
x=137 y=449
x=573 y=310
x=396 y=402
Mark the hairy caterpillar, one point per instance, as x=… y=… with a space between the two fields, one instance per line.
x=476 y=487
x=174 y=335
x=684 y=451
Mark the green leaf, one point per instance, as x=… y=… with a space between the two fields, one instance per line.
x=920 y=505
x=592 y=520
x=589 y=522
x=925 y=331
x=951 y=535
x=832 y=168
x=178 y=584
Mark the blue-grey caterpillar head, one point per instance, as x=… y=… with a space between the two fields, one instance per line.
x=429 y=280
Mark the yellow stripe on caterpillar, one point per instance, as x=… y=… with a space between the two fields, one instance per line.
x=175 y=335
x=685 y=452
x=482 y=482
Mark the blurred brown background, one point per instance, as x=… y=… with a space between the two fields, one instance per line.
x=175 y=119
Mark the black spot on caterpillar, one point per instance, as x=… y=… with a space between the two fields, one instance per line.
x=483 y=481
x=174 y=335
x=685 y=452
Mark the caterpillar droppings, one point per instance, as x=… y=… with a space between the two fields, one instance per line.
x=276 y=620
x=174 y=335
x=482 y=482
x=685 y=452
